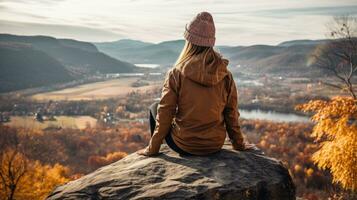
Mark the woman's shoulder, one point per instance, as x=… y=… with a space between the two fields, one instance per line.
x=173 y=74
x=174 y=71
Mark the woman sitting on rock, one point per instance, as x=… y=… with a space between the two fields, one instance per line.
x=199 y=98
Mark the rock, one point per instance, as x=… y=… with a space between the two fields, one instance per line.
x=227 y=174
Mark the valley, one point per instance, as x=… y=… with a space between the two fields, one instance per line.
x=83 y=106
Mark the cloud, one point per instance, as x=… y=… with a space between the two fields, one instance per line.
x=238 y=22
x=50 y=2
x=329 y=11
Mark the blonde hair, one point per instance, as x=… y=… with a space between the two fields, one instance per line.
x=190 y=50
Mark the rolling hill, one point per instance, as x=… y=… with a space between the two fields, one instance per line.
x=288 y=58
x=79 y=57
x=33 y=61
x=22 y=67
x=40 y=57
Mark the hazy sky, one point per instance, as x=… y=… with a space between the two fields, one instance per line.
x=238 y=22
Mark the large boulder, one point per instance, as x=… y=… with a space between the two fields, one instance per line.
x=227 y=174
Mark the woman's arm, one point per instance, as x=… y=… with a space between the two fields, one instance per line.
x=165 y=113
x=231 y=115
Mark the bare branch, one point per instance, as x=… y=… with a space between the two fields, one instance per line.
x=339 y=55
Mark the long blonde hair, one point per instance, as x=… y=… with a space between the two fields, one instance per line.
x=190 y=50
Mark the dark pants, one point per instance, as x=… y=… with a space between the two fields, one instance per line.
x=169 y=141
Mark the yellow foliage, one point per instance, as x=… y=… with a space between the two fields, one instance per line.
x=13 y=167
x=37 y=181
x=336 y=132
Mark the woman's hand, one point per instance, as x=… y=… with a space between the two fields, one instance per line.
x=248 y=147
x=245 y=147
x=145 y=152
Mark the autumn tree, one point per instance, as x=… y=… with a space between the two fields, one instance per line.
x=336 y=133
x=41 y=180
x=13 y=167
x=335 y=128
x=22 y=178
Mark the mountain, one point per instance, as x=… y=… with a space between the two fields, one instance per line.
x=78 y=57
x=135 y=51
x=286 y=58
x=86 y=46
x=22 y=67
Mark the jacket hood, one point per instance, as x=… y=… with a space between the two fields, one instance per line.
x=209 y=73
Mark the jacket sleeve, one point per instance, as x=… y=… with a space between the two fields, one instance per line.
x=231 y=115
x=166 y=111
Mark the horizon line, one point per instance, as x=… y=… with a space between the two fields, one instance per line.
x=156 y=43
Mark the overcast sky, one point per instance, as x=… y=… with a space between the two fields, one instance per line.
x=238 y=22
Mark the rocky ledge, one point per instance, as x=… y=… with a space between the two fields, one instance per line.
x=227 y=174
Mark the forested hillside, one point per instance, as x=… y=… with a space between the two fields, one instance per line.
x=22 y=67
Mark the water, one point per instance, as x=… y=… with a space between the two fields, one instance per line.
x=147 y=65
x=272 y=116
x=250 y=82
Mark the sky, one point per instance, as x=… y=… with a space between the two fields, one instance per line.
x=238 y=22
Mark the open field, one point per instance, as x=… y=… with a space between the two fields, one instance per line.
x=98 y=90
x=78 y=122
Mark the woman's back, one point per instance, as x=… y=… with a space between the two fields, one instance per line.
x=198 y=105
x=202 y=96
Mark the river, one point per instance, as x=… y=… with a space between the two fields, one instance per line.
x=272 y=116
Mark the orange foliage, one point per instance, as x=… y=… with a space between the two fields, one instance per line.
x=29 y=177
x=336 y=133
x=77 y=148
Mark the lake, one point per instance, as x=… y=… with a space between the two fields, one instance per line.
x=147 y=65
x=272 y=116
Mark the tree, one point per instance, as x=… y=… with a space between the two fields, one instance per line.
x=41 y=180
x=336 y=133
x=12 y=170
x=335 y=129
x=339 y=55
x=22 y=178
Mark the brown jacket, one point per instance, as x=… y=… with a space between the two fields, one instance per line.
x=198 y=105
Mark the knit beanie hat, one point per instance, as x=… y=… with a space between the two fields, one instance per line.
x=201 y=30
